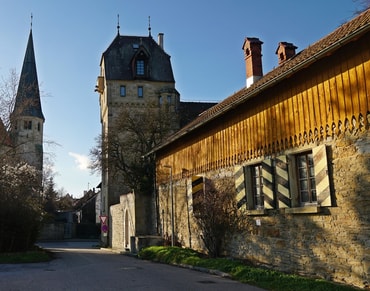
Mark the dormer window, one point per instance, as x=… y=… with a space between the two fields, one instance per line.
x=140 y=67
x=139 y=64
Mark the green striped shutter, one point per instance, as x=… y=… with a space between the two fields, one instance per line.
x=282 y=182
x=240 y=187
x=321 y=176
x=268 y=184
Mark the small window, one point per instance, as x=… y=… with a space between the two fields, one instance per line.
x=27 y=125
x=168 y=99
x=306 y=178
x=140 y=91
x=257 y=186
x=122 y=91
x=140 y=67
x=160 y=100
x=38 y=126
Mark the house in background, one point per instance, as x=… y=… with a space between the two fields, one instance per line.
x=296 y=141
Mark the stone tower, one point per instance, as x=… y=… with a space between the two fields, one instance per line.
x=27 y=119
x=135 y=71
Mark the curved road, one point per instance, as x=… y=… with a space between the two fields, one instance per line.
x=80 y=266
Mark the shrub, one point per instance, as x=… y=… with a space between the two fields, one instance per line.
x=20 y=213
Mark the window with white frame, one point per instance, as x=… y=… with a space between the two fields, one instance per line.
x=306 y=178
x=257 y=186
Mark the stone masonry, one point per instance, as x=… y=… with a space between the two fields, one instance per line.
x=333 y=244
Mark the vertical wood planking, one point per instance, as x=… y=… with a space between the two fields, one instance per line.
x=354 y=86
x=361 y=82
x=334 y=96
x=290 y=115
x=347 y=94
x=328 y=104
x=340 y=94
x=367 y=74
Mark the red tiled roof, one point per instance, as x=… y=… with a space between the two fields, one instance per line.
x=327 y=44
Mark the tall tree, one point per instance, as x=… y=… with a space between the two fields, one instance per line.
x=124 y=149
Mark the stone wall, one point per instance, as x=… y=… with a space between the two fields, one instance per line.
x=122 y=222
x=333 y=244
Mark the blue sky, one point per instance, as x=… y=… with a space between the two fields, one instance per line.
x=203 y=38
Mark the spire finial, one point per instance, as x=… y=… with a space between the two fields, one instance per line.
x=149 y=28
x=118 y=27
x=31 y=20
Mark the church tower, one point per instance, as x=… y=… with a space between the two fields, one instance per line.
x=27 y=119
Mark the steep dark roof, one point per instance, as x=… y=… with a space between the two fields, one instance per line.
x=119 y=55
x=345 y=33
x=28 y=101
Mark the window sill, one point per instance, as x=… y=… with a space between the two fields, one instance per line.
x=303 y=210
x=256 y=212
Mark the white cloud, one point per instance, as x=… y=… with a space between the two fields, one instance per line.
x=81 y=161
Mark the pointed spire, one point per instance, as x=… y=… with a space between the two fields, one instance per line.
x=27 y=102
x=149 y=28
x=118 y=27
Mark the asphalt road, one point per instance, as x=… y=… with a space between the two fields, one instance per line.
x=80 y=266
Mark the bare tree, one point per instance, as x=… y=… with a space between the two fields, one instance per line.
x=8 y=93
x=217 y=214
x=123 y=150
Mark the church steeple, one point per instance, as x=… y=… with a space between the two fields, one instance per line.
x=27 y=119
x=28 y=101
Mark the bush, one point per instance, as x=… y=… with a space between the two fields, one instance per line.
x=20 y=213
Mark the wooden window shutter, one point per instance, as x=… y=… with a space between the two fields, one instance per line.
x=239 y=176
x=197 y=185
x=282 y=182
x=268 y=184
x=321 y=176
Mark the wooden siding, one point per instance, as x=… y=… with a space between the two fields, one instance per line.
x=324 y=100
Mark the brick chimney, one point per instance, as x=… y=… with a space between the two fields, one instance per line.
x=285 y=51
x=252 y=48
x=160 y=40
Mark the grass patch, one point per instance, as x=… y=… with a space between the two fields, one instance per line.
x=36 y=255
x=240 y=271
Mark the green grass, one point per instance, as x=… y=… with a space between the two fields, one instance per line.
x=263 y=278
x=33 y=256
